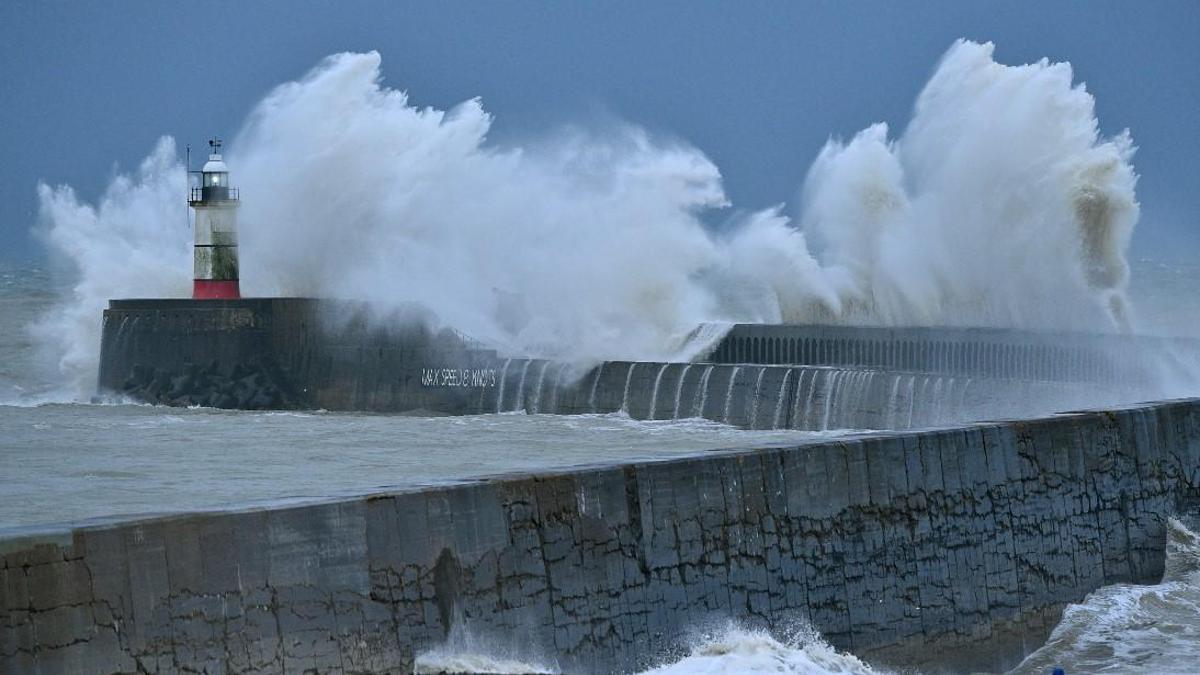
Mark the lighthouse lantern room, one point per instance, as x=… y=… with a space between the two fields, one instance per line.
x=216 y=248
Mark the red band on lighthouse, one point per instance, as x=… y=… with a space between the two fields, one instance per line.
x=209 y=289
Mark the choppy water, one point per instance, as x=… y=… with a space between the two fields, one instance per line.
x=64 y=461
x=1133 y=629
x=124 y=459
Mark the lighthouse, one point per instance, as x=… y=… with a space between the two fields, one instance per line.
x=216 y=250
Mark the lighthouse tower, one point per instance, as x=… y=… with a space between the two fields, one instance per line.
x=216 y=250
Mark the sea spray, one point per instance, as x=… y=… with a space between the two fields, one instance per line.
x=935 y=405
x=467 y=651
x=133 y=242
x=537 y=394
x=999 y=205
x=858 y=414
x=654 y=395
x=735 y=649
x=753 y=417
x=595 y=386
x=500 y=391
x=848 y=406
x=831 y=381
x=720 y=651
x=809 y=412
x=892 y=404
x=962 y=399
x=912 y=401
x=625 y=394
x=702 y=392
x=799 y=409
x=557 y=387
x=926 y=404
x=779 y=402
x=521 y=387
x=729 y=393
x=679 y=390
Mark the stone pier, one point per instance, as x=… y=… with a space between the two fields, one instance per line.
x=956 y=545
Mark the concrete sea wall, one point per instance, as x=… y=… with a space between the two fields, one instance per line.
x=974 y=352
x=778 y=396
x=954 y=544
x=300 y=353
x=285 y=353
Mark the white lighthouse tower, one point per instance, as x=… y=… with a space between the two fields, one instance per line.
x=216 y=249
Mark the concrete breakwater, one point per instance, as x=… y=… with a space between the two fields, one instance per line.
x=967 y=352
x=950 y=545
x=297 y=353
x=286 y=353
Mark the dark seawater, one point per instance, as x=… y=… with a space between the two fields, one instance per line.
x=62 y=461
x=26 y=292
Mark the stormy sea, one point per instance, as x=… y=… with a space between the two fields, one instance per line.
x=999 y=205
x=66 y=459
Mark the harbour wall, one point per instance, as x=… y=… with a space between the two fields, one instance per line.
x=975 y=352
x=815 y=398
x=281 y=353
x=954 y=545
x=310 y=354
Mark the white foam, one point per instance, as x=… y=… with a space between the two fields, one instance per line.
x=1132 y=629
x=999 y=205
x=738 y=650
x=452 y=662
x=466 y=651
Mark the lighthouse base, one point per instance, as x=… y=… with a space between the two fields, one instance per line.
x=293 y=353
x=210 y=289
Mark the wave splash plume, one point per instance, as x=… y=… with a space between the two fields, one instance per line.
x=739 y=650
x=999 y=205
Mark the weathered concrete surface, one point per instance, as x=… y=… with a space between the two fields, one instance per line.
x=304 y=353
x=281 y=353
x=976 y=352
x=894 y=545
x=780 y=396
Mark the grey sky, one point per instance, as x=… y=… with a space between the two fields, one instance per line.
x=87 y=87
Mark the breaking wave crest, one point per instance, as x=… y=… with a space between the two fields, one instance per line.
x=738 y=650
x=466 y=651
x=730 y=649
x=1000 y=205
x=448 y=662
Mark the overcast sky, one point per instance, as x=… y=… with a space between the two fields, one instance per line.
x=87 y=87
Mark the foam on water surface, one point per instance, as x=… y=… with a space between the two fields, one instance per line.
x=728 y=650
x=1130 y=629
x=739 y=650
